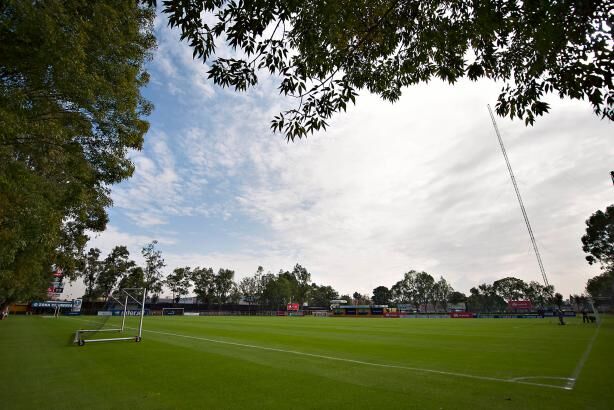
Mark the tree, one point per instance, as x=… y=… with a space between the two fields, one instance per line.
x=134 y=279
x=204 y=284
x=598 y=241
x=424 y=284
x=347 y=298
x=325 y=51
x=248 y=287
x=510 y=288
x=70 y=109
x=292 y=285
x=153 y=268
x=264 y=288
x=441 y=293
x=484 y=298
x=398 y=294
x=456 y=297
x=580 y=301
x=178 y=282
x=223 y=285
x=235 y=295
x=381 y=295
x=405 y=291
x=90 y=271
x=601 y=287
x=322 y=295
x=279 y=290
x=114 y=267
x=260 y=285
x=538 y=294
x=360 y=299
x=303 y=279
x=558 y=300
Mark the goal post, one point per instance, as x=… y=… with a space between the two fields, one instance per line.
x=592 y=301
x=173 y=311
x=123 y=297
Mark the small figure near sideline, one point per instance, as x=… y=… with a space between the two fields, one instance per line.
x=4 y=314
x=561 y=321
x=585 y=318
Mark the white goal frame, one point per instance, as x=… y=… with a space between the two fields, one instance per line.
x=320 y=313
x=181 y=309
x=591 y=302
x=128 y=295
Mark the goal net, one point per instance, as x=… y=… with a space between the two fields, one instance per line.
x=172 y=311
x=111 y=323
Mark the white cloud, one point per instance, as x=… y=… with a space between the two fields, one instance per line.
x=155 y=188
x=113 y=237
x=181 y=73
x=422 y=184
x=419 y=184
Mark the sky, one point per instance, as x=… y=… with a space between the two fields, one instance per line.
x=420 y=184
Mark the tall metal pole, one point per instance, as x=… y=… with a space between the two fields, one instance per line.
x=142 y=314
x=124 y=315
x=524 y=211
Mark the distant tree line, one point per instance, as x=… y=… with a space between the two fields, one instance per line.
x=117 y=270
x=261 y=289
x=420 y=289
x=267 y=290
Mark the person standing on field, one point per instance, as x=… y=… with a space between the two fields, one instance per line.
x=561 y=321
x=585 y=316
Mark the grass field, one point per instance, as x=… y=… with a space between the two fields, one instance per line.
x=316 y=363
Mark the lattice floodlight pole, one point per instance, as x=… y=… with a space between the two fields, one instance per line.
x=127 y=295
x=524 y=211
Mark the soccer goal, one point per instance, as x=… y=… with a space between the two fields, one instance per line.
x=131 y=302
x=172 y=311
x=591 y=303
x=320 y=313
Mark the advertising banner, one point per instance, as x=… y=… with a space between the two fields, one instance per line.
x=520 y=304
x=56 y=286
x=76 y=305
x=461 y=315
x=51 y=303
x=391 y=314
x=130 y=312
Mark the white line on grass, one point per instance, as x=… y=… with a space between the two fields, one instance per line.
x=341 y=359
x=576 y=373
x=541 y=377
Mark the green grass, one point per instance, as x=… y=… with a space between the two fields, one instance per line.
x=181 y=364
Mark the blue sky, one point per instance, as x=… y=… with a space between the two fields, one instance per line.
x=420 y=184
